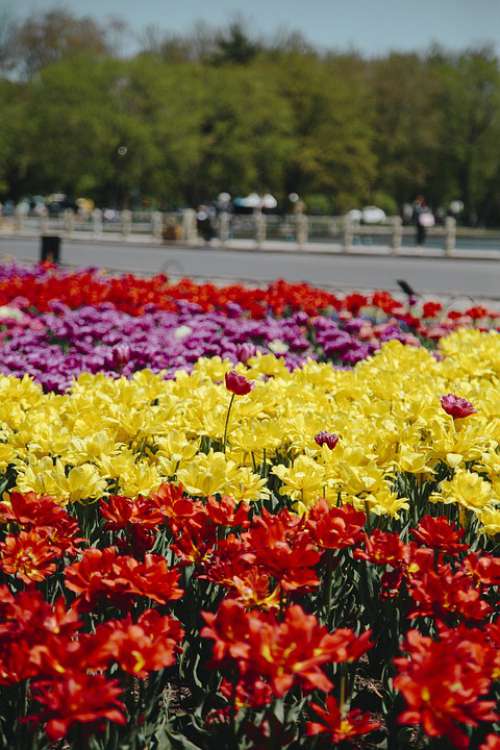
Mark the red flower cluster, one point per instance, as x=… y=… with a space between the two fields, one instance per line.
x=274 y=592
x=78 y=699
x=30 y=633
x=196 y=531
x=442 y=593
x=133 y=295
x=105 y=577
x=46 y=533
x=278 y=553
x=283 y=549
x=273 y=655
x=444 y=683
x=138 y=648
x=436 y=588
x=49 y=645
x=335 y=528
x=381 y=548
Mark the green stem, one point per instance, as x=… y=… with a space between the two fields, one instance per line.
x=328 y=585
x=233 y=704
x=343 y=695
x=227 y=419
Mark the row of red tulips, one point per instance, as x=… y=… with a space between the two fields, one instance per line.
x=40 y=286
x=203 y=624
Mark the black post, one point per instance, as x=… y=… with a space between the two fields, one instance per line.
x=50 y=249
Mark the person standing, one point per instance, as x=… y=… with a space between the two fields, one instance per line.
x=423 y=219
x=204 y=224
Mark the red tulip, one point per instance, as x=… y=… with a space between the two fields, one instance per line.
x=237 y=384
x=457 y=407
x=439 y=533
x=340 y=727
x=78 y=698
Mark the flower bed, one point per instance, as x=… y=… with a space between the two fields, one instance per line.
x=39 y=286
x=55 y=347
x=55 y=325
x=254 y=556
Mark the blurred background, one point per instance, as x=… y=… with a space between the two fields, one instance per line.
x=339 y=106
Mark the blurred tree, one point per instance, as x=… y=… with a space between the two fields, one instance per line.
x=49 y=36
x=406 y=97
x=247 y=133
x=8 y=33
x=13 y=130
x=234 y=45
x=69 y=145
x=199 y=45
x=193 y=114
x=286 y=42
x=470 y=131
x=332 y=129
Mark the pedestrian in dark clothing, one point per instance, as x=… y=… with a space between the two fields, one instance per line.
x=423 y=218
x=204 y=223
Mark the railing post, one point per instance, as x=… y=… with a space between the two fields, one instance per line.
x=43 y=221
x=348 y=234
x=189 y=232
x=260 y=228
x=69 y=221
x=397 y=234
x=126 y=217
x=223 y=227
x=451 y=235
x=97 y=222
x=302 y=229
x=18 y=219
x=157 y=224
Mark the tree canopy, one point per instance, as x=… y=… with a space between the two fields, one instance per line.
x=188 y=116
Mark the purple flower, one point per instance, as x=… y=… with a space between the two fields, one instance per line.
x=245 y=351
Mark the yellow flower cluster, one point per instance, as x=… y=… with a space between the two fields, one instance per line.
x=127 y=436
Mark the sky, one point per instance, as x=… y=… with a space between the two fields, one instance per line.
x=371 y=26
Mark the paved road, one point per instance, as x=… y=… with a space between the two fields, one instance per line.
x=428 y=275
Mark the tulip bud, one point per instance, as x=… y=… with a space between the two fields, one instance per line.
x=327 y=438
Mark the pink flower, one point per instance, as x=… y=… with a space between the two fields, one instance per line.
x=457 y=407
